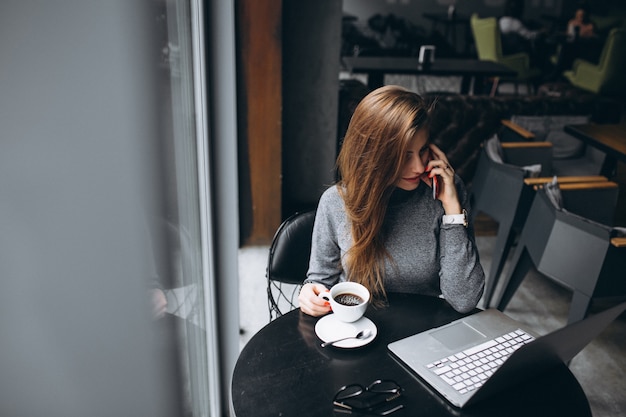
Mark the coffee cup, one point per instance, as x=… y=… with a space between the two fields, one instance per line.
x=348 y=300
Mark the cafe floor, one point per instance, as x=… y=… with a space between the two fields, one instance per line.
x=600 y=367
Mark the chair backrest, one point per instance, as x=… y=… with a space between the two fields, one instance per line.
x=486 y=37
x=496 y=187
x=291 y=249
x=611 y=49
x=613 y=62
x=288 y=262
x=594 y=203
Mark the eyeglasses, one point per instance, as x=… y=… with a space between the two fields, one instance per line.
x=373 y=399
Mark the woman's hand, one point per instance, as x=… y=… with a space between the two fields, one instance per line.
x=440 y=166
x=309 y=301
x=158 y=302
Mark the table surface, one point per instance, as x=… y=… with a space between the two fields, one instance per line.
x=441 y=66
x=610 y=138
x=284 y=371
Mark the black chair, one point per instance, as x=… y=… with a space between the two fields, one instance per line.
x=567 y=238
x=288 y=262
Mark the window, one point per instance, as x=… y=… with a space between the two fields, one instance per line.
x=189 y=290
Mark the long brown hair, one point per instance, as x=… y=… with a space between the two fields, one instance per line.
x=370 y=163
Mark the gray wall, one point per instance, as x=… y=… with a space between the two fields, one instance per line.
x=311 y=49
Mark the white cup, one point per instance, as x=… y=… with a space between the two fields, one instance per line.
x=348 y=300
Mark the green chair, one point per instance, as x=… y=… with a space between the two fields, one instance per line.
x=489 y=48
x=607 y=77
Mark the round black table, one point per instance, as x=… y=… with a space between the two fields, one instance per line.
x=283 y=371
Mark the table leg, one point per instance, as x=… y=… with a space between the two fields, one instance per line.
x=466 y=81
x=453 y=38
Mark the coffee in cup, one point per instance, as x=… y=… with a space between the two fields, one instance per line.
x=348 y=300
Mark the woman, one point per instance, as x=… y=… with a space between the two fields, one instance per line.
x=515 y=36
x=580 y=25
x=380 y=225
x=582 y=43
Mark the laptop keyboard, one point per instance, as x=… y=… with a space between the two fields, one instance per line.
x=468 y=370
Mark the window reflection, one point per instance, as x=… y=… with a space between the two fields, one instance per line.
x=183 y=287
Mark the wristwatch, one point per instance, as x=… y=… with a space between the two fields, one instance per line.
x=455 y=218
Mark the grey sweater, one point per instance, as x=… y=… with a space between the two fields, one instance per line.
x=427 y=257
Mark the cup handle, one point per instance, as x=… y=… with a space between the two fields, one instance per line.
x=324 y=295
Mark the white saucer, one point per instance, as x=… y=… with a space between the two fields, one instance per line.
x=329 y=328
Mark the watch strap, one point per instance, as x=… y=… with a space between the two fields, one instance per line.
x=455 y=218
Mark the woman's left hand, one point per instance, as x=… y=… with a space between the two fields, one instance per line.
x=440 y=166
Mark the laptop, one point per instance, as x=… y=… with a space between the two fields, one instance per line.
x=479 y=355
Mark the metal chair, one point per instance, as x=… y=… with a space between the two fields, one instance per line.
x=288 y=262
x=572 y=243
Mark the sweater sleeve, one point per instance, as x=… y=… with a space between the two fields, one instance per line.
x=325 y=262
x=461 y=276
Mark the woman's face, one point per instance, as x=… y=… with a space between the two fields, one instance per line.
x=416 y=160
x=580 y=15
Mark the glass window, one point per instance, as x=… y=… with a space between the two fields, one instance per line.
x=188 y=285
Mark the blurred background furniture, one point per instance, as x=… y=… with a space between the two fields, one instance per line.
x=567 y=237
x=449 y=23
x=288 y=262
x=460 y=124
x=489 y=47
x=609 y=138
x=502 y=189
x=377 y=67
x=607 y=76
x=570 y=154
